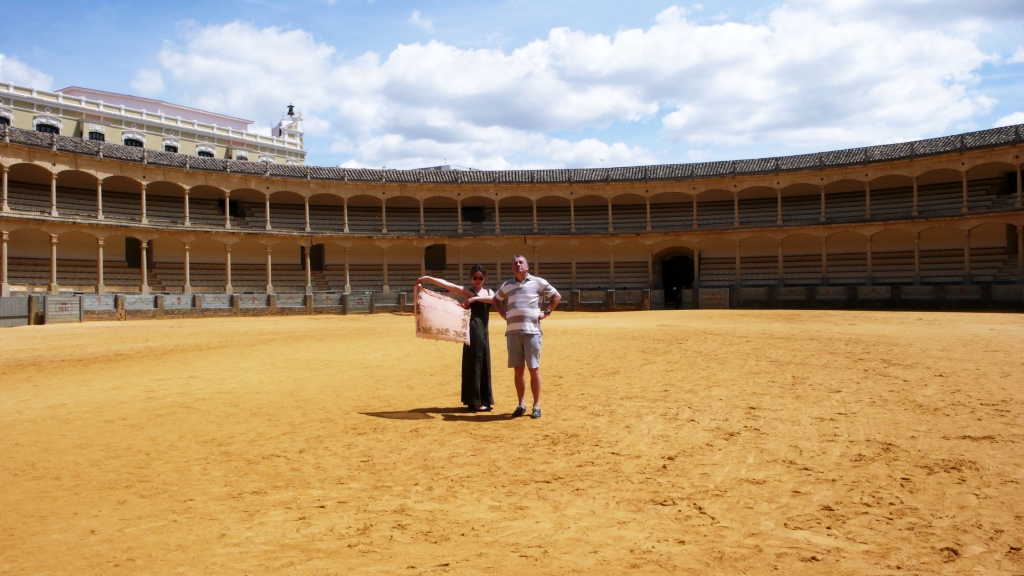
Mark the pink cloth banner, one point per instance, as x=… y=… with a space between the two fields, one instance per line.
x=439 y=317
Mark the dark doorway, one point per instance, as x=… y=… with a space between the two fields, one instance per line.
x=435 y=257
x=133 y=253
x=317 y=258
x=676 y=274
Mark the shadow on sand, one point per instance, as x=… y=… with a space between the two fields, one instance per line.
x=457 y=414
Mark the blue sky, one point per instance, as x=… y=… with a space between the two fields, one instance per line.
x=548 y=84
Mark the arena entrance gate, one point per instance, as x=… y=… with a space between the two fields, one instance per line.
x=676 y=275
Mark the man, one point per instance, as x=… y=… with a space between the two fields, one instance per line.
x=519 y=301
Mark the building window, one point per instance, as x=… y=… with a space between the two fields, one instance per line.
x=133 y=143
x=47 y=128
x=204 y=154
x=98 y=136
x=170 y=148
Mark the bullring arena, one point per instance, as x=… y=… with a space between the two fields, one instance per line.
x=857 y=409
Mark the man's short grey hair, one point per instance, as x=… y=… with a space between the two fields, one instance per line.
x=519 y=256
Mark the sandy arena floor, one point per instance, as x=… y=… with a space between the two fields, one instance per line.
x=704 y=442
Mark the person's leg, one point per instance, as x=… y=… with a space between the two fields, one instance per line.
x=521 y=384
x=534 y=386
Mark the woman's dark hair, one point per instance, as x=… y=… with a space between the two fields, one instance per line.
x=478 y=268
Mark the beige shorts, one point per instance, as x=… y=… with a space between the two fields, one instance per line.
x=524 y=350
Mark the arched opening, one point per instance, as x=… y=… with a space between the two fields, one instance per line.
x=992 y=186
x=76 y=194
x=248 y=207
x=892 y=257
x=28 y=260
x=994 y=253
x=28 y=188
x=759 y=261
x=166 y=268
x=801 y=203
x=207 y=266
x=715 y=209
x=593 y=266
x=117 y=275
x=629 y=212
x=939 y=192
x=403 y=215
x=122 y=199
x=591 y=214
x=404 y=262
x=801 y=260
x=206 y=206
x=553 y=215
x=717 y=266
x=249 y=266
x=847 y=259
x=758 y=206
x=631 y=270
x=673 y=273
x=287 y=212
x=516 y=214
x=478 y=215
x=440 y=215
x=364 y=214
x=327 y=212
x=892 y=197
x=942 y=255
x=165 y=203
x=553 y=263
x=288 y=271
x=845 y=201
x=77 y=262
x=671 y=211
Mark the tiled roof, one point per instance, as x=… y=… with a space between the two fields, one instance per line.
x=837 y=158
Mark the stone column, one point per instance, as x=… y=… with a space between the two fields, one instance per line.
x=386 y=288
x=914 y=211
x=536 y=229
x=917 y=258
x=144 y=219
x=573 y=252
x=611 y=266
x=266 y=213
x=824 y=261
x=822 y=219
x=572 y=215
x=100 y=288
x=781 y=281
x=306 y=202
x=344 y=204
x=227 y=209
x=423 y=227
x=144 y=267
x=739 y=281
x=458 y=215
x=187 y=222
x=696 y=268
x=5 y=287
x=228 y=289
x=53 y=264
x=694 y=211
x=99 y=201
x=965 y=207
x=348 y=284
x=611 y=221
x=867 y=199
x=187 y=288
x=648 y=214
x=497 y=218
x=53 y=195
x=967 y=258
x=3 y=190
x=1020 y=245
x=309 y=269
x=270 y=283
x=384 y=215
x=871 y=272
x=462 y=276
x=736 y=208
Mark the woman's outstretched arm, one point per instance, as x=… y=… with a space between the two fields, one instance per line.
x=461 y=291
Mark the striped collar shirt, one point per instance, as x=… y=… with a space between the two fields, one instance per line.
x=522 y=302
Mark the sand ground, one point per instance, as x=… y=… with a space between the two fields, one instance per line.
x=703 y=442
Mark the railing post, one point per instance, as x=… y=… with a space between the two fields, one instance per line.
x=227 y=209
x=344 y=204
x=144 y=219
x=383 y=215
x=100 y=288
x=53 y=195
x=187 y=222
x=266 y=213
x=308 y=228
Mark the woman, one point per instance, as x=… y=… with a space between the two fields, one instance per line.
x=476 y=357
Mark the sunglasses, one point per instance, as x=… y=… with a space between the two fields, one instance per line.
x=477 y=277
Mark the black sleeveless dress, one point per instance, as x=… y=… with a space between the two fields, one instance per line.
x=476 y=359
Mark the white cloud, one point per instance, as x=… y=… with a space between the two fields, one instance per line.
x=1017 y=57
x=148 y=81
x=812 y=74
x=1010 y=120
x=419 y=21
x=16 y=71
